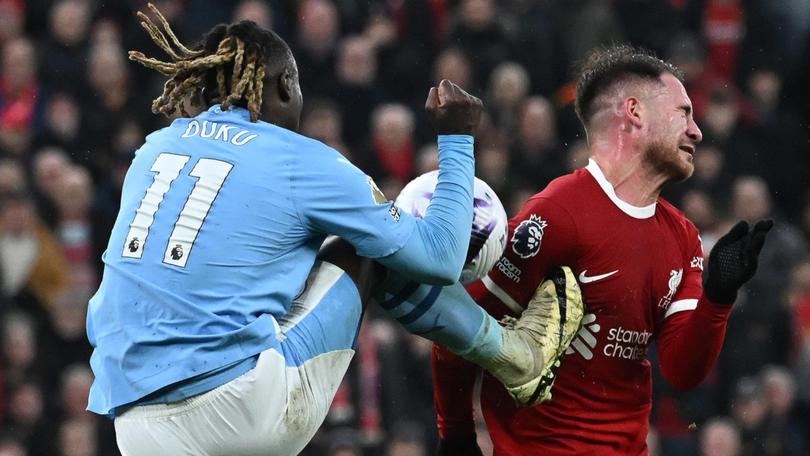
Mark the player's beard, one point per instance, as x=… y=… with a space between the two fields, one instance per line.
x=666 y=160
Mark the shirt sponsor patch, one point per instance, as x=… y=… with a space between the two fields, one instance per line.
x=394 y=212
x=528 y=236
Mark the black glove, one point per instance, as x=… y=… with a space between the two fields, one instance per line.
x=733 y=261
x=459 y=446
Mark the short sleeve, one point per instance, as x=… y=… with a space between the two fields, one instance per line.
x=335 y=197
x=691 y=288
x=541 y=236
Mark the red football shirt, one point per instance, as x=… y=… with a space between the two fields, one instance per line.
x=639 y=268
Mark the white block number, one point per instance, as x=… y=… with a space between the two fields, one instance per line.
x=211 y=175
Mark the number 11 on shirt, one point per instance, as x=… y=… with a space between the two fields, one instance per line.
x=211 y=175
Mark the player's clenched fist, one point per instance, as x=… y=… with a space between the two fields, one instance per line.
x=452 y=110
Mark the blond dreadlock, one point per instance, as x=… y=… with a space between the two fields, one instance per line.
x=189 y=69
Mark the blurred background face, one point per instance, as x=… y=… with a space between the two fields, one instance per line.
x=77 y=438
x=12 y=177
x=765 y=87
x=63 y=116
x=107 y=68
x=11 y=19
x=493 y=164
x=357 y=63
x=318 y=24
x=722 y=113
x=76 y=382
x=720 y=438
x=106 y=31
x=509 y=85
x=49 y=166
x=26 y=404
x=699 y=209
x=18 y=217
x=708 y=163
x=19 y=344
x=453 y=65
x=256 y=11
x=69 y=21
x=477 y=14
x=393 y=126
x=537 y=123
x=74 y=193
x=750 y=198
x=324 y=124
x=780 y=391
x=19 y=63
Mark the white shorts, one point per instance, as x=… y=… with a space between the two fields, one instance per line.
x=275 y=408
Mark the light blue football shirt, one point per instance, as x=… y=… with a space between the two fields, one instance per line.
x=220 y=223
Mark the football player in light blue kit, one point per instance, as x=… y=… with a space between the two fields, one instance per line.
x=215 y=330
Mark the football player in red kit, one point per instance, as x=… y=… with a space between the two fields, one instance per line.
x=639 y=262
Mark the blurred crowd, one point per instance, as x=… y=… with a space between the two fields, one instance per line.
x=73 y=110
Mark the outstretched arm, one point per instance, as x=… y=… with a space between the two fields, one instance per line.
x=435 y=253
x=333 y=196
x=690 y=341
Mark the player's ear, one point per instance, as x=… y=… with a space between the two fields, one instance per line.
x=633 y=111
x=286 y=85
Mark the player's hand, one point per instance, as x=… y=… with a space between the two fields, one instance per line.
x=459 y=446
x=452 y=110
x=733 y=260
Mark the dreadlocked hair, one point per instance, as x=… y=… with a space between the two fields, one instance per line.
x=228 y=66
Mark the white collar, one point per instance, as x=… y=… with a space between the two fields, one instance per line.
x=633 y=211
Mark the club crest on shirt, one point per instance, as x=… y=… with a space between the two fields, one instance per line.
x=528 y=236
x=673 y=284
x=376 y=194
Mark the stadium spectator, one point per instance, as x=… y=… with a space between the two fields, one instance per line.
x=484 y=38
x=64 y=51
x=315 y=46
x=12 y=17
x=784 y=430
x=62 y=124
x=254 y=10
x=720 y=437
x=391 y=148
x=30 y=256
x=536 y=151
x=20 y=96
x=452 y=64
x=508 y=87
x=20 y=348
x=357 y=91
x=749 y=411
x=323 y=120
x=77 y=438
x=82 y=228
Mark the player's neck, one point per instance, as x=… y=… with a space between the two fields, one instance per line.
x=633 y=180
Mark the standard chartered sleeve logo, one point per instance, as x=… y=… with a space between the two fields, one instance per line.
x=586 y=337
x=621 y=343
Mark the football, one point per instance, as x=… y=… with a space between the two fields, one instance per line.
x=489 y=226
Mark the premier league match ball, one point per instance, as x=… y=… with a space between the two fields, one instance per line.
x=489 y=226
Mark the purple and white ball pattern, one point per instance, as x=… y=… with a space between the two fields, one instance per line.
x=489 y=226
